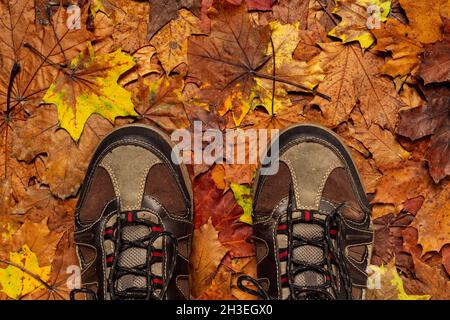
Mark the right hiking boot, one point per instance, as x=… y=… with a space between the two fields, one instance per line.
x=311 y=221
x=133 y=220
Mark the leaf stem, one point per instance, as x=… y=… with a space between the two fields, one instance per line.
x=270 y=77
x=14 y=71
x=31 y=274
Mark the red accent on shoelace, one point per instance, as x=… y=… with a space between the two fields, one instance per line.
x=130 y=217
x=282 y=254
x=282 y=227
x=157 y=254
x=327 y=277
x=156 y=228
x=109 y=259
x=157 y=280
x=284 y=279
x=333 y=232
x=307 y=215
x=108 y=231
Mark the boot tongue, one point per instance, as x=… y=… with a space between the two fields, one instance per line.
x=133 y=257
x=308 y=254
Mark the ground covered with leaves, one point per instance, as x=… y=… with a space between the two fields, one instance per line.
x=243 y=64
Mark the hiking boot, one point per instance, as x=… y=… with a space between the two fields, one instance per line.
x=312 y=227
x=133 y=220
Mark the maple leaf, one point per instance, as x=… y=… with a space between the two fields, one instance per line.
x=236 y=53
x=355 y=18
x=162 y=12
x=399 y=39
x=382 y=144
x=40 y=134
x=430 y=280
x=225 y=213
x=433 y=118
x=31 y=252
x=171 y=42
x=433 y=220
x=243 y=196
x=425 y=18
x=160 y=103
x=392 y=287
x=436 y=62
x=254 y=4
x=407 y=181
x=90 y=86
x=207 y=253
x=351 y=78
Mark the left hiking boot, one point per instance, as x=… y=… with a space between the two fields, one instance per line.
x=312 y=221
x=133 y=221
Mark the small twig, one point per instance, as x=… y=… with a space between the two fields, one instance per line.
x=273 y=74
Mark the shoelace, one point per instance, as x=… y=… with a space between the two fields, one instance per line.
x=341 y=288
x=153 y=282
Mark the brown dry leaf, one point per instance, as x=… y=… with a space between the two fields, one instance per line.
x=146 y=64
x=436 y=60
x=171 y=42
x=433 y=220
x=351 y=78
x=159 y=103
x=39 y=134
x=425 y=18
x=162 y=12
x=220 y=288
x=402 y=183
x=382 y=144
x=39 y=238
x=400 y=41
x=207 y=253
x=391 y=286
x=430 y=280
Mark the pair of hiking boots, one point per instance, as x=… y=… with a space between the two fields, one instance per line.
x=134 y=221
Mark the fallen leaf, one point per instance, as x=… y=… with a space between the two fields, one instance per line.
x=90 y=86
x=436 y=62
x=382 y=144
x=206 y=255
x=243 y=196
x=39 y=134
x=19 y=277
x=161 y=13
x=351 y=77
x=160 y=103
x=171 y=42
x=356 y=16
x=433 y=220
x=425 y=18
x=400 y=41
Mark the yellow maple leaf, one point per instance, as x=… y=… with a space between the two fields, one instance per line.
x=15 y=282
x=90 y=86
x=358 y=17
